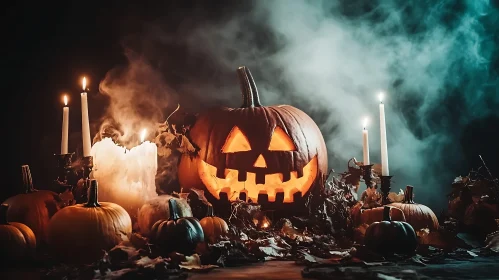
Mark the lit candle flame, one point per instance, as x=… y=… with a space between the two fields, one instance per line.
x=143 y=135
x=65 y=100
x=365 y=122
x=265 y=225
x=84 y=83
x=380 y=97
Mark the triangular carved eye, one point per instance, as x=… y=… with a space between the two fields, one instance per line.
x=236 y=142
x=281 y=141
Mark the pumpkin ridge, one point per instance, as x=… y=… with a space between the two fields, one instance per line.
x=211 y=130
x=297 y=123
x=286 y=129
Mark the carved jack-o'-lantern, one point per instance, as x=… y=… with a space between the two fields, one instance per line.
x=255 y=149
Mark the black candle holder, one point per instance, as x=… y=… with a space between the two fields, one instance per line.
x=64 y=167
x=367 y=174
x=87 y=164
x=385 y=188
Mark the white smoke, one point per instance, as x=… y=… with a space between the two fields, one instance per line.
x=331 y=58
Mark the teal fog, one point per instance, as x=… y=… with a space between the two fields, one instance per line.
x=436 y=61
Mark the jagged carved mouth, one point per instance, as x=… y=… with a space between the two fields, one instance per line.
x=273 y=182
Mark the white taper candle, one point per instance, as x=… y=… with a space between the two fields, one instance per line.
x=85 y=125
x=65 y=126
x=365 y=144
x=384 y=146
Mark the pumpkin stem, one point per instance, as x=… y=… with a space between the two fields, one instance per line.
x=173 y=209
x=27 y=180
x=3 y=214
x=209 y=212
x=386 y=214
x=248 y=88
x=408 y=195
x=254 y=90
x=92 y=195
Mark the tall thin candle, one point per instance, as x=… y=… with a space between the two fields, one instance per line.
x=365 y=144
x=85 y=125
x=384 y=146
x=65 y=126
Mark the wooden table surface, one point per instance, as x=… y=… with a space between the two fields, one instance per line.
x=266 y=270
x=484 y=268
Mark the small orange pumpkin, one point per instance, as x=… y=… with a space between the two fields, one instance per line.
x=17 y=241
x=80 y=233
x=213 y=226
x=368 y=216
x=34 y=208
x=419 y=216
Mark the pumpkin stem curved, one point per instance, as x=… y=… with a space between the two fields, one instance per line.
x=173 y=209
x=408 y=195
x=3 y=214
x=209 y=212
x=248 y=88
x=92 y=195
x=27 y=179
x=386 y=214
x=254 y=90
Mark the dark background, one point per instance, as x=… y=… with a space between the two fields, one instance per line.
x=48 y=48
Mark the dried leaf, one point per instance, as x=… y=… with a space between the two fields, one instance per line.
x=396 y=197
x=111 y=275
x=291 y=232
x=186 y=146
x=371 y=198
x=307 y=258
x=165 y=141
x=376 y=263
x=271 y=251
x=164 y=151
x=120 y=253
x=193 y=263
x=492 y=241
x=66 y=198
x=418 y=260
x=472 y=254
x=138 y=241
x=340 y=254
x=148 y=262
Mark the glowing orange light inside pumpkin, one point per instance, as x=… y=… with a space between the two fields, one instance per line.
x=65 y=100
x=260 y=162
x=280 y=141
x=265 y=225
x=237 y=142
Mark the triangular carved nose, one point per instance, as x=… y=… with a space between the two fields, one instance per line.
x=260 y=162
